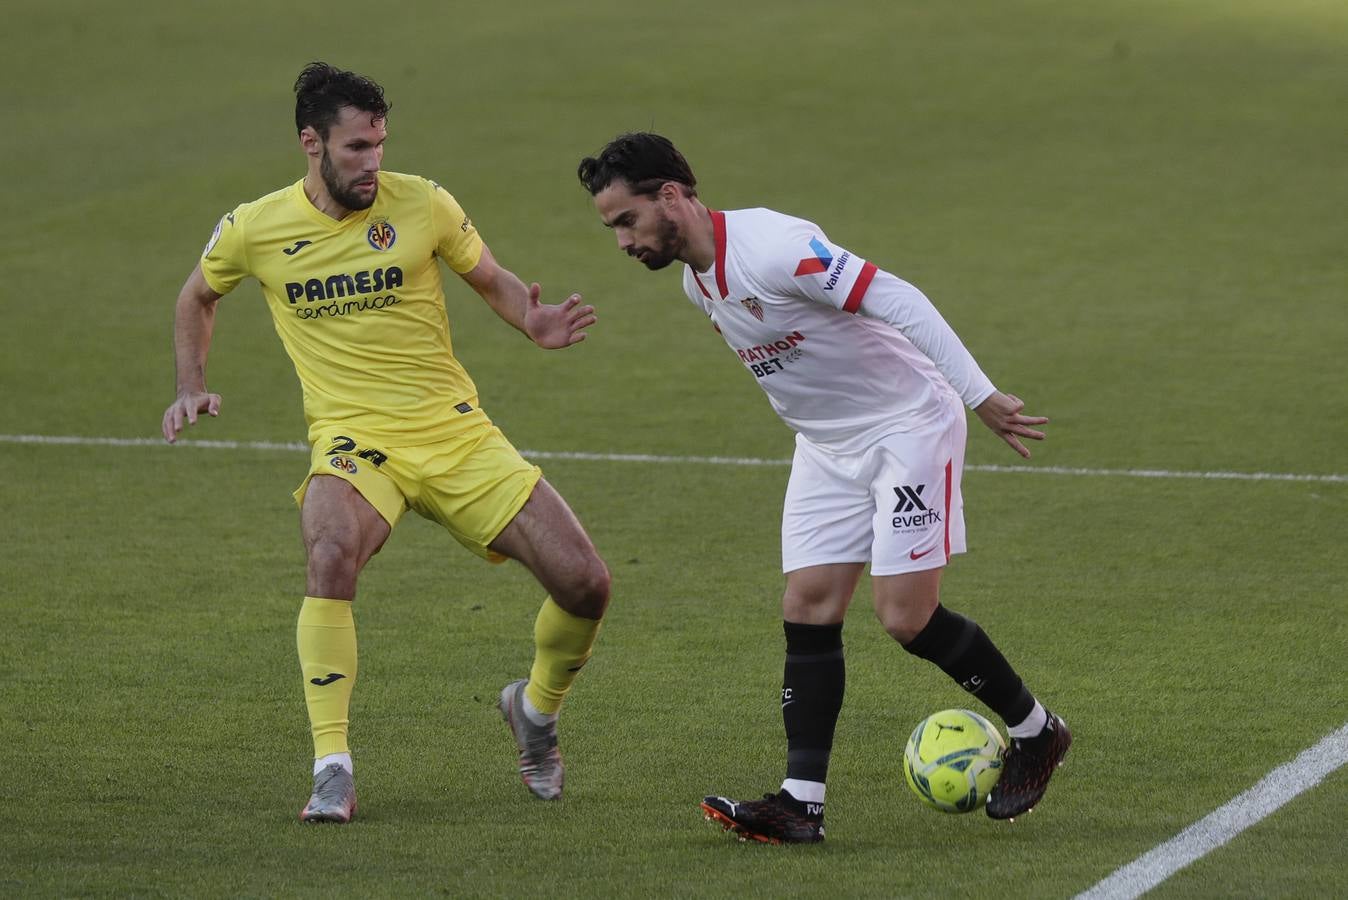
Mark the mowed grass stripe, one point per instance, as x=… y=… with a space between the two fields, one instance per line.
x=297 y=446
x=1273 y=791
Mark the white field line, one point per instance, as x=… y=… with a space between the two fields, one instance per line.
x=298 y=446
x=1275 y=789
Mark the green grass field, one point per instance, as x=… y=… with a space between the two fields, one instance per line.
x=1133 y=213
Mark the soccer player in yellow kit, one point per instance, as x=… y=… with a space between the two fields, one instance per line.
x=347 y=260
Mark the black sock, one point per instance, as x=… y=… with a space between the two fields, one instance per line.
x=967 y=655
x=812 y=695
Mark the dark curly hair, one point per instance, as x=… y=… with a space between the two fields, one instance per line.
x=322 y=90
x=643 y=160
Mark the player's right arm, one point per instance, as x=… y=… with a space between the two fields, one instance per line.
x=193 y=323
x=223 y=264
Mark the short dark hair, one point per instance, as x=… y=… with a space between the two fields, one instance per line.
x=643 y=160
x=322 y=90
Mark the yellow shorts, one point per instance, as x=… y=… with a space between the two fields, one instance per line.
x=473 y=483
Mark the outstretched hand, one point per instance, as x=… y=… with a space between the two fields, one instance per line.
x=1001 y=413
x=553 y=326
x=184 y=410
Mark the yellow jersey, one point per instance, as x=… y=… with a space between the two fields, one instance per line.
x=359 y=304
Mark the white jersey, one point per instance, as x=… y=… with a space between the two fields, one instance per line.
x=787 y=301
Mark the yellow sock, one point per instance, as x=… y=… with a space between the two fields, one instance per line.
x=562 y=644
x=326 y=639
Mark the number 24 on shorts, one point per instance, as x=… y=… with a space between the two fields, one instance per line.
x=343 y=444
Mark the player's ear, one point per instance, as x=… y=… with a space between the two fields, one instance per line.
x=310 y=142
x=670 y=192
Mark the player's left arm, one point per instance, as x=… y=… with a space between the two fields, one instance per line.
x=1002 y=413
x=551 y=326
x=461 y=247
x=859 y=287
x=898 y=303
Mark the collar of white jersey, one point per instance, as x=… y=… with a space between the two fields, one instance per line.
x=718 y=238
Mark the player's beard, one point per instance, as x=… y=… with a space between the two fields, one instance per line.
x=669 y=244
x=344 y=194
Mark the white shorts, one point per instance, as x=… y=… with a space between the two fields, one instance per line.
x=896 y=505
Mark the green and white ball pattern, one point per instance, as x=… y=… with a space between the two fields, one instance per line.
x=953 y=759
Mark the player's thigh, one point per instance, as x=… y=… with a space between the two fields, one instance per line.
x=918 y=521
x=341 y=530
x=820 y=595
x=547 y=538
x=827 y=511
x=347 y=498
x=497 y=505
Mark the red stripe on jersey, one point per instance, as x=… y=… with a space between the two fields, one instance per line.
x=700 y=286
x=718 y=236
x=859 y=288
x=948 y=488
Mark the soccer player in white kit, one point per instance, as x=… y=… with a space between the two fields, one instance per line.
x=873 y=381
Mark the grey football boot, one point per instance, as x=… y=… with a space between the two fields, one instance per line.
x=334 y=797
x=540 y=760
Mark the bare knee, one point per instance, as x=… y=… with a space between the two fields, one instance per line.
x=332 y=569
x=341 y=531
x=904 y=603
x=805 y=607
x=586 y=590
x=820 y=595
x=903 y=623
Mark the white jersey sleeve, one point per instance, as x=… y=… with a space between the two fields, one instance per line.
x=836 y=277
x=898 y=303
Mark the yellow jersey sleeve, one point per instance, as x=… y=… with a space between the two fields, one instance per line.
x=456 y=240
x=224 y=262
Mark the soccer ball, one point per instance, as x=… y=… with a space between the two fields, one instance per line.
x=953 y=759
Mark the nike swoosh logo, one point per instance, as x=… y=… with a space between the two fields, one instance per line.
x=913 y=554
x=299 y=245
x=332 y=676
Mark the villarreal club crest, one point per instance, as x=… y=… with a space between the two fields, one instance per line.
x=381 y=235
